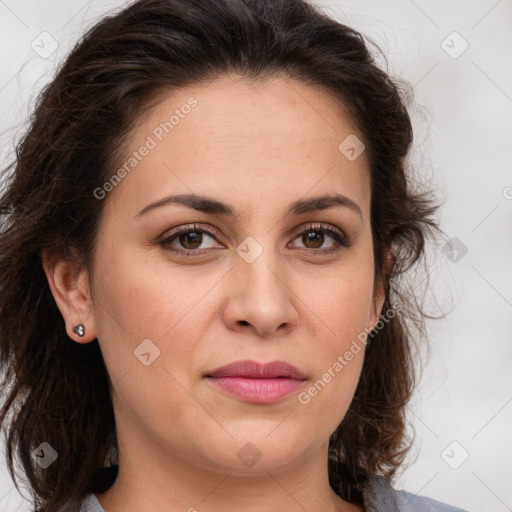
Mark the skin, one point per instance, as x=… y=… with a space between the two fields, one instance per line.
x=258 y=147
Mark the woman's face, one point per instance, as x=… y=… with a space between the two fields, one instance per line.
x=258 y=284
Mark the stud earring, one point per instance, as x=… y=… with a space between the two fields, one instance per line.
x=79 y=330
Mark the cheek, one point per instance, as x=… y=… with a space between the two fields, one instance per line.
x=146 y=296
x=338 y=354
x=136 y=302
x=340 y=303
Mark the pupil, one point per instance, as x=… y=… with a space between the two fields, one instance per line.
x=311 y=238
x=193 y=237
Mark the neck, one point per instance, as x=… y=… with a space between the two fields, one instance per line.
x=156 y=481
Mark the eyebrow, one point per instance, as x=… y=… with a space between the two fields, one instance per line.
x=212 y=206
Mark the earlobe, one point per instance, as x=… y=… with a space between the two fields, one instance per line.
x=69 y=286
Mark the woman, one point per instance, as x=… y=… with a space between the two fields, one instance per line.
x=201 y=259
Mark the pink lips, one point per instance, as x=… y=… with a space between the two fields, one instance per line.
x=257 y=382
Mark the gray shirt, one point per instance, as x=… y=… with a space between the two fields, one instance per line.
x=379 y=496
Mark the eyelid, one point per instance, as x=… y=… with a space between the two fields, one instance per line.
x=185 y=228
x=342 y=241
x=317 y=225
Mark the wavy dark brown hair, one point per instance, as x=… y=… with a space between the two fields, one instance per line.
x=58 y=391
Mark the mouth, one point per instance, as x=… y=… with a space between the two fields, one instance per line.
x=256 y=382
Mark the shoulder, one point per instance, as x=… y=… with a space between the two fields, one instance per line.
x=91 y=504
x=411 y=502
x=102 y=479
x=380 y=496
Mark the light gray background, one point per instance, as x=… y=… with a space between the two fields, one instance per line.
x=463 y=145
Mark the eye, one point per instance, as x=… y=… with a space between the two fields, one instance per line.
x=313 y=237
x=188 y=239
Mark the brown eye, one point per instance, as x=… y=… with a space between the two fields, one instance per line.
x=189 y=240
x=314 y=236
x=313 y=239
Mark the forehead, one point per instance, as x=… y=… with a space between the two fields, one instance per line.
x=273 y=141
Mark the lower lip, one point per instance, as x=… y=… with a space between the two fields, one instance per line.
x=262 y=391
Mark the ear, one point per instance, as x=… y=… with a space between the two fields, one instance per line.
x=379 y=295
x=69 y=285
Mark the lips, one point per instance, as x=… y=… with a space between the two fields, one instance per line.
x=254 y=370
x=261 y=383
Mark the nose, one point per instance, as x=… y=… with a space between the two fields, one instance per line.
x=260 y=298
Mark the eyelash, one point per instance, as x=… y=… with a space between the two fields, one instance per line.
x=341 y=241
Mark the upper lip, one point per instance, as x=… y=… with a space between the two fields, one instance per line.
x=256 y=370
